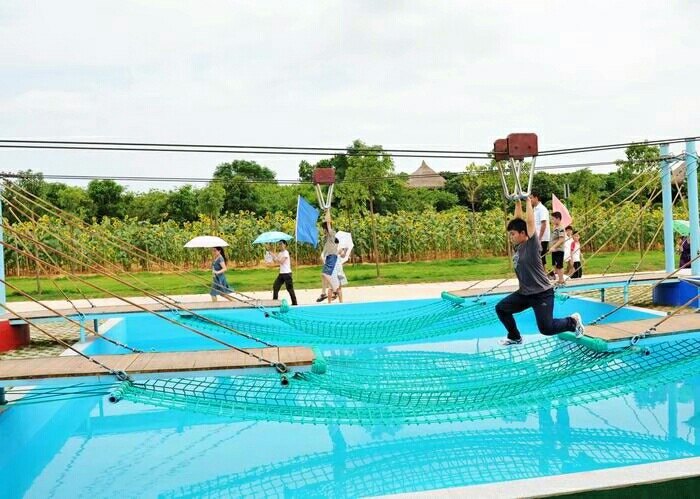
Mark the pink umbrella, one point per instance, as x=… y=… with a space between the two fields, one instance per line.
x=559 y=206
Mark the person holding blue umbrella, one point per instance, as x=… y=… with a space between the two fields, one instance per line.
x=683 y=228
x=282 y=258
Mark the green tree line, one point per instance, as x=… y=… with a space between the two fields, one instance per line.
x=366 y=183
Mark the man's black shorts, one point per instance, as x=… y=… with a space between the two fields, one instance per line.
x=558 y=259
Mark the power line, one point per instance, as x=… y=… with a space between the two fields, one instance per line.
x=622 y=145
x=303 y=150
x=126 y=178
x=363 y=152
x=325 y=150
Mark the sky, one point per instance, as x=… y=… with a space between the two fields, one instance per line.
x=403 y=74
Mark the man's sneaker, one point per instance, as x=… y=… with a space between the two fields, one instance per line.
x=508 y=342
x=321 y=298
x=580 y=328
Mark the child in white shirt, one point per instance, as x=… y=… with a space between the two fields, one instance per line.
x=576 y=256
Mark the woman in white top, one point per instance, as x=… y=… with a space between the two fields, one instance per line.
x=285 y=275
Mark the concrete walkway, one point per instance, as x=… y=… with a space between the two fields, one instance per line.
x=357 y=294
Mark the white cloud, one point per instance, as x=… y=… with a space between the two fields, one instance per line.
x=403 y=74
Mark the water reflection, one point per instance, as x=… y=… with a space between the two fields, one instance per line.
x=83 y=449
x=451 y=459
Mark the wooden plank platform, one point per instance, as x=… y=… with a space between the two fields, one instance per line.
x=126 y=309
x=72 y=366
x=678 y=324
x=584 y=282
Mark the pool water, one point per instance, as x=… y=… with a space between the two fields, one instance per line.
x=91 y=448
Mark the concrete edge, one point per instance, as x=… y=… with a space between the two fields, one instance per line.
x=611 y=478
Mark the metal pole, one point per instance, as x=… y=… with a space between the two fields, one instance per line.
x=3 y=293
x=691 y=167
x=669 y=246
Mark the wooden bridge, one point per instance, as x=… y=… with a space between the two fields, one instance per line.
x=15 y=372
x=619 y=331
x=623 y=281
x=99 y=312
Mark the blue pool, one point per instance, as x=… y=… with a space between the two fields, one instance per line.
x=90 y=448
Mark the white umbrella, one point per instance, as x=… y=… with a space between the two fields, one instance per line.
x=206 y=242
x=344 y=241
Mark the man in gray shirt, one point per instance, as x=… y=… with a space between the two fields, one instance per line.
x=534 y=290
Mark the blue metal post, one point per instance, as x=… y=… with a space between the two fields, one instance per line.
x=691 y=167
x=669 y=246
x=3 y=295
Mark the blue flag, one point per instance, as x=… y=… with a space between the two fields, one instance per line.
x=307 y=216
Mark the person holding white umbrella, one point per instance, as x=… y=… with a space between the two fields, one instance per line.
x=338 y=279
x=219 y=285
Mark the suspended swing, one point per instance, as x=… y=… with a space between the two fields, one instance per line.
x=510 y=154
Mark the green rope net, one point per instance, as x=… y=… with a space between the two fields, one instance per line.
x=365 y=388
x=408 y=319
x=336 y=331
x=308 y=327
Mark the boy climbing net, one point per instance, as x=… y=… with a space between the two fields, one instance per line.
x=534 y=290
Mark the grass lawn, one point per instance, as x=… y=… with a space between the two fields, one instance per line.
x=309 y=277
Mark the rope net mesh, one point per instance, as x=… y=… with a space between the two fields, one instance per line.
x=306 y=327
x=303 y=326
x=407 y=319
x=337 y=331
x=365 y=388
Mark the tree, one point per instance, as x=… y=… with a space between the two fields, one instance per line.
x=247 y=169
x=640 y=165
x=419 y=199
x=106 y=196
x=274 y=198
x=474 y=180
x=585 y=188
x=305 y=171
x=76 y=201
x=235 y=178
x=150 y=206
x=211 y=201
x=181 y=204
x=21 y=194
x=368 y=180
x=546 y=184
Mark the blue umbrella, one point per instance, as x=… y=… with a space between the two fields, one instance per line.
x=272 y=237
x=682 y=227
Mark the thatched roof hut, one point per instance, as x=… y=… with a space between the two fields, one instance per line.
x=425 y=176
